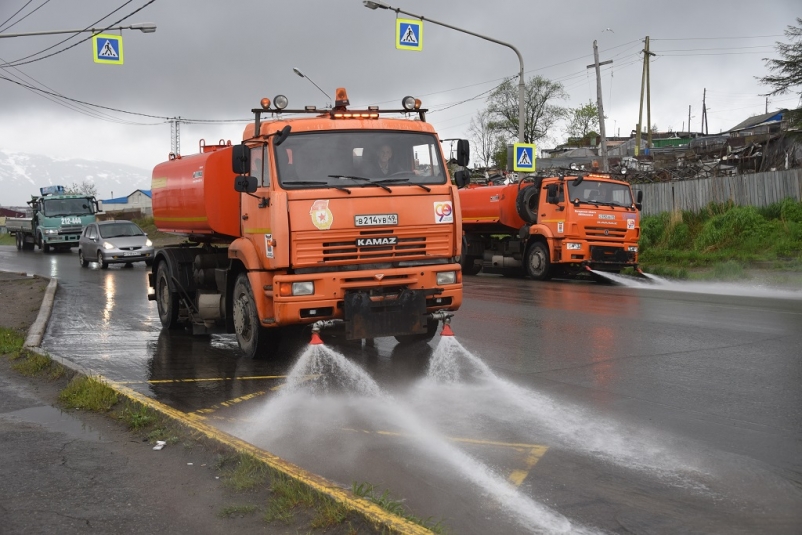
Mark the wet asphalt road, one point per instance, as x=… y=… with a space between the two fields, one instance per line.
x=648 y=409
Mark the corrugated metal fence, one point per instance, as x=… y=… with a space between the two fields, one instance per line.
x=759 y=189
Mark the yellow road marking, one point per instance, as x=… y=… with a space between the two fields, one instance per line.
x=533 y=451
x=203 y=380
x=372 y=512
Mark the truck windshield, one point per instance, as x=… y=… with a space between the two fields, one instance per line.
x=57 y=207
x=359 y=159
x=599 y=192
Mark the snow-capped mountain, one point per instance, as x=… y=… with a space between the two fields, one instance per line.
x=21 y=175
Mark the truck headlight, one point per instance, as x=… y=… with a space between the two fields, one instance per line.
x=446 y=277
x=573 y=246
x=107 y=245
x=303 y=288
x=50 y=231
x=632 y=248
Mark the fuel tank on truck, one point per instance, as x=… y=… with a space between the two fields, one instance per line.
x=490 y=207
x=194 y=195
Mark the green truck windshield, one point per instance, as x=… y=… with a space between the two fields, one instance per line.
x=61 y=207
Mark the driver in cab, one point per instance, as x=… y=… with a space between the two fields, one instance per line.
x=385 y=165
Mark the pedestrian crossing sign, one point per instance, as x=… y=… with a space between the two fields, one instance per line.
x=108 y=48
x=408 y=34
x=524 y=157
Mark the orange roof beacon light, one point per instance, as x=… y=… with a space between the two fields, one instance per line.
x=341 y=98
x=265 y=103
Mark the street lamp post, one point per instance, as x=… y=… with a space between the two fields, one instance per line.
x=299 y=73
x=376 y=4
x=144 y=27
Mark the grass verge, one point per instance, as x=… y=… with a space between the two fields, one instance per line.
x=394 y=506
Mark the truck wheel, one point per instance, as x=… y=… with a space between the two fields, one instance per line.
x=526 y=203
x=84 y=262
x=166 y=299
x=255 y=341
x=45 y=247
x=18 y=237
x=102 y=263
x=431 y=330
x=538 y=265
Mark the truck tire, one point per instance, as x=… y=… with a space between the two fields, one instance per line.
x=469 y=265
x=255 y=341
x=431 y=330
x=18 y=238
x=526 y=203
x=538 y=264
x=166 y=298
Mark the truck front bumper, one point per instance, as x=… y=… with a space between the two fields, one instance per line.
x=373 y=303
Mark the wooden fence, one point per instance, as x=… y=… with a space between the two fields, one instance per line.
x=759 y=189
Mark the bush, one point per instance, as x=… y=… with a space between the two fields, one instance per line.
x=737 y=224
x=791 y=211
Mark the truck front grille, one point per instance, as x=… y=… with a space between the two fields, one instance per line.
x=70 y=229
x=610 y=233
x=340 y=247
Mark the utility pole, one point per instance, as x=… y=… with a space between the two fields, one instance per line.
x=704 y=112
x=646 y=55
x=597 y=65
x=689 y=121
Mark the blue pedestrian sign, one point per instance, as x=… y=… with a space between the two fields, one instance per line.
x=108 y=48
x=408 y=34
x=524 y=154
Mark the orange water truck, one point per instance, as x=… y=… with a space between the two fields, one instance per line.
x=550 y=225
x=301 y=224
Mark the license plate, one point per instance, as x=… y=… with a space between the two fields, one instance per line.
x=375 y=220
x=131 y=254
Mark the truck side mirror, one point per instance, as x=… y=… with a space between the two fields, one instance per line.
x=462 y=177
x=463 y=152
x=241 y=159
x=245 y=184
x=551 y=194
x=639 y=200
x=640 y=196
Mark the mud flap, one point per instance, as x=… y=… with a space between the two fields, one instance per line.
x=385 y=315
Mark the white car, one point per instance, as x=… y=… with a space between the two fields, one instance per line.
x=114 y=242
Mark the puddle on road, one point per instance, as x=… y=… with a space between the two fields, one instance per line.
x=55 y=420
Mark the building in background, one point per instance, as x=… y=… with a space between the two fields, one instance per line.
x=138 y=201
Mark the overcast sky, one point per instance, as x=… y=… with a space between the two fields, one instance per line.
x=212 y=60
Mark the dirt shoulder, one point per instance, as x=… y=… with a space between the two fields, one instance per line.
x=71 y=471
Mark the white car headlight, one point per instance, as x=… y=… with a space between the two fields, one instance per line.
x=446 y=277
x=148 y=243
x=573 y=246
x=303 y=288
x=632 y=248
x=107 y=245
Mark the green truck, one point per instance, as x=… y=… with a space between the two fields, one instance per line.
x=56 y=222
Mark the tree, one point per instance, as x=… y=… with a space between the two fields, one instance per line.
x=788 y=70
x=540 y=114
x=84 y=188
x=485 y=137
x=582 y=120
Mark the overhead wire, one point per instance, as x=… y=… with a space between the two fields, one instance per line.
x=14 y=15
x=17 y=63
x=25 y=17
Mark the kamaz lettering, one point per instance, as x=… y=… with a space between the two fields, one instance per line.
x=376 y=242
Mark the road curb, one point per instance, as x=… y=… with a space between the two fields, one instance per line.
x=37 y=330
x=386 y=522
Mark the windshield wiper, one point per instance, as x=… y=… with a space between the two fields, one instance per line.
x=375 y=183
x=318 y=183
x=401 y=181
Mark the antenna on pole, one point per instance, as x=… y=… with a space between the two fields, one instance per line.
x=175 y=135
